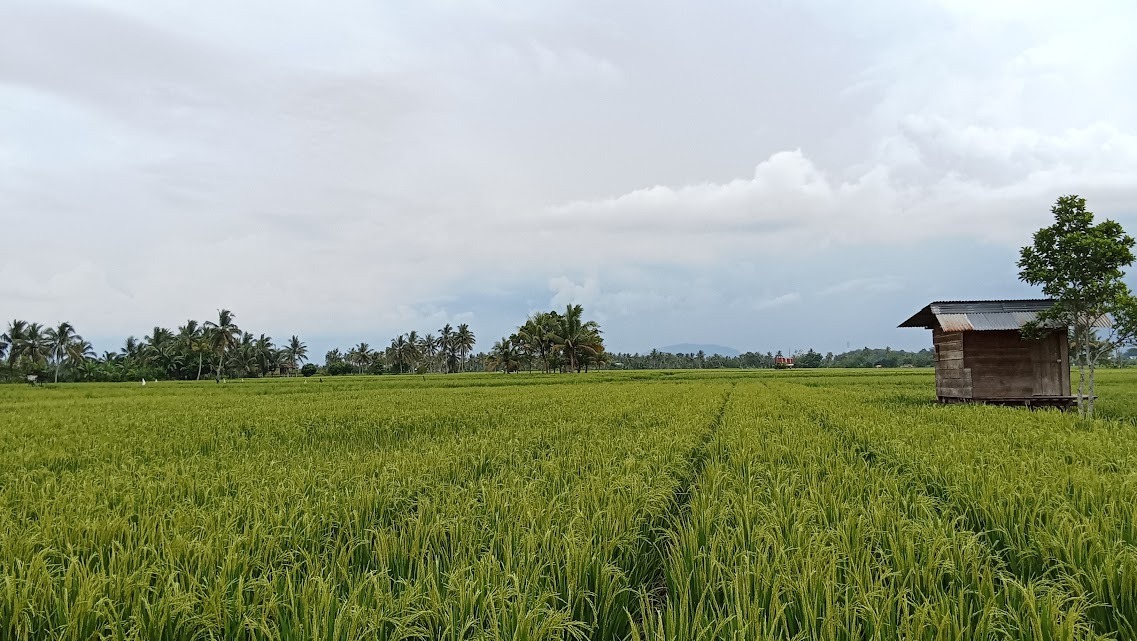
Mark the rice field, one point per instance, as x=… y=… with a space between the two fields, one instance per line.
x=629 y=505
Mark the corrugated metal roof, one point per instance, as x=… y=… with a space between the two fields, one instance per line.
x=984 y=321
x=982 y=315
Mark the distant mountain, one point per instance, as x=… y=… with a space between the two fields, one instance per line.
x=693 y=348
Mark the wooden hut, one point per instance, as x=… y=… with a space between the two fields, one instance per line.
x=783 y=362
x=981 y=355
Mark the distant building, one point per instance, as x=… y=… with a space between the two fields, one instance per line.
x=981 y=355
x=783 y=362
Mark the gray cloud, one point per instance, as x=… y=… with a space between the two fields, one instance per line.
x=372 y=166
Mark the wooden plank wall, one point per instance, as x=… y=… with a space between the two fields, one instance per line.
x=1064 y=366
x=1050 y=359
x=953 y=379
x=1002 y=363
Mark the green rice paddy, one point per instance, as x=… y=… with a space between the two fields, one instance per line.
x=629 y=505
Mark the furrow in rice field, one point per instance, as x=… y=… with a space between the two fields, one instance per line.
x=668 y=522
x=792 y=535
x=1056 y=499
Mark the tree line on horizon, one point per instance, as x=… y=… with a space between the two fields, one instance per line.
x=860 y=358
x=215 y=348
x=551 y=341
x=451 y=351
x=547 y=341
x=219 y=349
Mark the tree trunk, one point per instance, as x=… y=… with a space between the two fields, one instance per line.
x=1091 y=363
x=199 y=363
x=1082 y=351
x=58 y=364
x=1090 y=401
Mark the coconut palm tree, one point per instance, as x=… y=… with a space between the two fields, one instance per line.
x=223 y=336
x=401 y=353
x=448 y=346
x=265 y=354
x=537 y=336
x=428 y=347
x=242 y=358
x=193 y=341
x=81 y=358
x=111 y=364
x=297 y=352
x=504 y=356
x=12 y=338
x=34 y=348
x=413 y=349
x=161 y=350
x=361 y=356
x=464 y=340
x=79 y=353
x=58 y=339
x=159 y=337
x=167 y=358
x=131 y=349
x=576 y=337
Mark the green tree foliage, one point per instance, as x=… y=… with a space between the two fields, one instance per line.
x=297 y=351
x=360 y=356
x=449 y=351
x=538 y=335
x=223 y=337
x=464 y=341
x=59 y=340
x=448 y=347
x=861 y=358
x=558 y=342
x=28 y=349
x=402 y=354
x=577 y=339
x=547 y=341
x=809 y=359
x=193 y=343
x=309 y=369
x=428 y=350
x=505 y=356
x=1080 y=265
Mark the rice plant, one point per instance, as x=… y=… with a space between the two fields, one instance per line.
x=658 y=505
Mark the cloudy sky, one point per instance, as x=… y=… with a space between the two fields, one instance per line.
x=764 y=175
